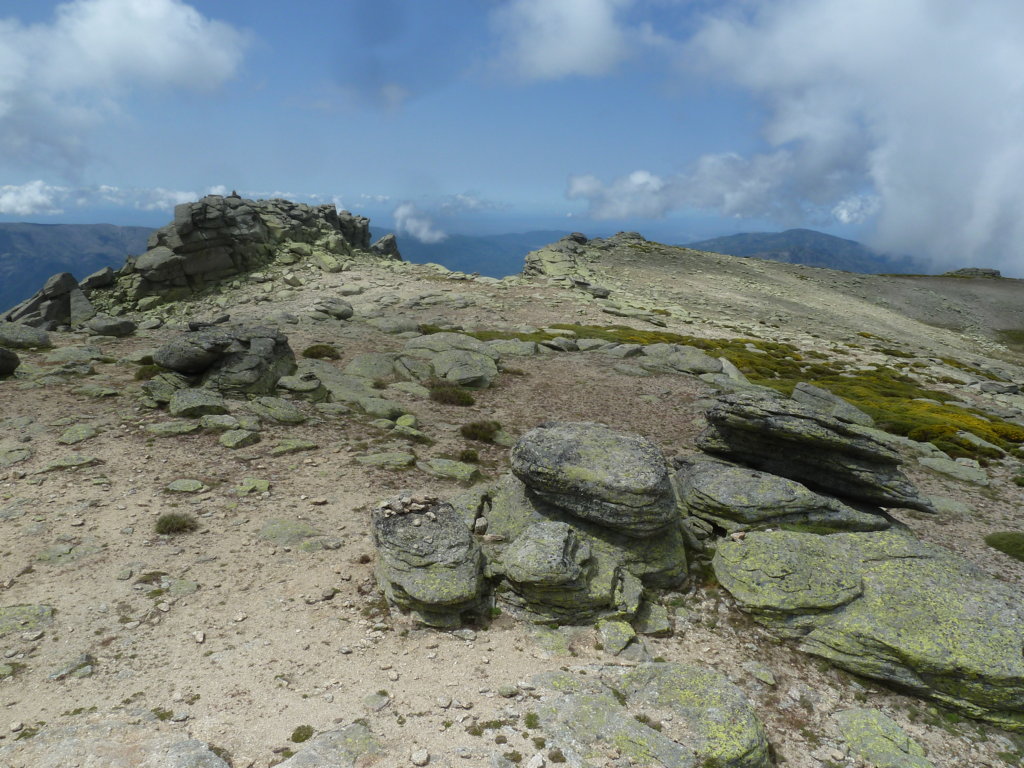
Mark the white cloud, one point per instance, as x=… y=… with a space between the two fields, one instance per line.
x=66 y=77
x=551 y=39
x=409 y=220
x=35 y=198
x=905 y=114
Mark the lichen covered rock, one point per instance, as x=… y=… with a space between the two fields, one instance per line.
x=617 y=480
x=701 y=718
x=737 y=498
x=428 y=562
x=792 y=440
x=887 y=606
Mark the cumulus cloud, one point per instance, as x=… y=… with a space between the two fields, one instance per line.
x=35 y=198
x=65 y=77
x=906 y=114
x=409 y=220
x=548 y=40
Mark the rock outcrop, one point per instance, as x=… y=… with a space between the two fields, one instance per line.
x=429 y=562
x=887 y=606
x=802 y=443
x=616 y=480
x=654 y=714
x=235 y=360
x=736 y=498
x=60 y=302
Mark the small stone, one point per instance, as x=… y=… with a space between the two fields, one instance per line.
x=464 y=634
x=186 y=485
x=32 y=636
x=16 y=726
x=508 y=691
x=537 y=761
x=420 y=757
x=444 y=701
x=163 y=607
x=239 y=438
x=199 y=637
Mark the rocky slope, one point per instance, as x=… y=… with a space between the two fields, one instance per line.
x=641 y=506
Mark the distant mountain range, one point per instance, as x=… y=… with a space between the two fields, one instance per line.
x=815 y=249
x=30 y=253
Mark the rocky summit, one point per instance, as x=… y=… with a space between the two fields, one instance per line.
x=272 y=496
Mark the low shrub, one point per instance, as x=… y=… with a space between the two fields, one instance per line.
x=481 y=431
x=1008 y=542
x=176 y=522
x=449 y=393
x=321 y=352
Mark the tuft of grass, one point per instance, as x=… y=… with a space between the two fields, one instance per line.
x=469 y=456
x=321 y=352
x=161 y=713
x=532 y=720
x=449 y=393
x=482 y=431
x=302 y=733
x=176 y=522
x=1008 y=542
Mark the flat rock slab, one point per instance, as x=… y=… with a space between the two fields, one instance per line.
x=23 y=618
x=287 y=533
x=112 y=745
x=239 y=438
x=738 y=498
x=589 y=710
x=453 y=470
x=878 y=740
x=18 y=336
x=390 y=460
x=77 y=433
x=950 y=468
x=278 y=410
x=285 y=447
x=792 y=440
x=886 y=606
x=172 y=428
x=193 y=403
x=615 y=479
x=340 y=748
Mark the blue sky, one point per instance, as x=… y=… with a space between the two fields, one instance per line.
x=900 y=123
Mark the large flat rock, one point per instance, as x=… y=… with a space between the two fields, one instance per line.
x=886 y=606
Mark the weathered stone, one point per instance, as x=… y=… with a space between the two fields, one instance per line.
x=428 y=561
x=295 y=445
x=454 y=470
x=738 y=498
x=334 y=307
x=389 y=460
x=387 y=247
x=712 y=722
x=186 y=485
x=114 y=744
x=77 y=433
x=9 y=362
x=833 y=405
x=962 y=472
x=172 y=428
x=346 y=747
x=193 y=403
x=239 y=438
x=615 y=479
x=234 y=360
x=878 y=740
x=277 y=409
x=51 y=307
x=287 y=533
x=466 y=368
x=372 y=365
x=104 y=325
x=24 y=618
x=18 y=336
x=886 y=606
x=792 y=440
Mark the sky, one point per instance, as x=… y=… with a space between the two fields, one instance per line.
x=899 y=123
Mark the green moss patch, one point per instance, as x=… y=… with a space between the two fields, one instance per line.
x=1008 y=542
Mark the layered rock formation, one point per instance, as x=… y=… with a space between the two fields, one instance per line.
x=805 y=444
x=887 y=606
x=211 y=240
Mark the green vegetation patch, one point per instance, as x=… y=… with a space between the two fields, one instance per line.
x=449 y=393
x=321 y=352
x=482 y=431
x=176 y=522
x=302 y=733
x=1008 y=542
